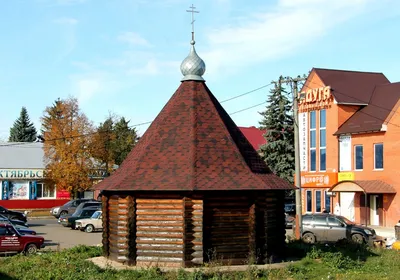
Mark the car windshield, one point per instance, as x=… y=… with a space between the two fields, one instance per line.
x=77 y=213
x=96 y=215
x=2 y=209
x=68 y=203
x=347 y=221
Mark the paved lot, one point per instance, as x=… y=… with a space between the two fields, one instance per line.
x=58 y=237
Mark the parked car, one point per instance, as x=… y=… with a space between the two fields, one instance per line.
x=21 y=229
x=12 y=241
x=14 y=222
x=289 y=220
x=332 y=228
x=13 y=215
x=69 y=220
x=67 y=208
x=87 y=204
x=92 y=224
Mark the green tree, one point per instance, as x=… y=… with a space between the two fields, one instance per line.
x=23 y=129
x=278 y=122
x=125 y=139
x=112 y=142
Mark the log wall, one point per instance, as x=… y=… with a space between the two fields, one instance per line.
x=227 y=229
x=159 y=232
x=120 y=232
x=183 y=231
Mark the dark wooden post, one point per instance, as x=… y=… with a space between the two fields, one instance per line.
x=132 y=230
x=106 y=225
x=252 y=233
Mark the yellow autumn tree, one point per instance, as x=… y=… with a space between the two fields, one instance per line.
x=67 y=138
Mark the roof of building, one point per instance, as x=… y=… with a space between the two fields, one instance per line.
x=366 y=186
x=254 y=135
x=193 y=144
x=351 y=87
x=377 y=113
x=21 y=155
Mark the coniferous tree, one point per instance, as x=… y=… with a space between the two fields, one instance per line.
x=23 y=129
x=278 y=122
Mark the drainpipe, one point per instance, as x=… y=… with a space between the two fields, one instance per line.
x=366 y=208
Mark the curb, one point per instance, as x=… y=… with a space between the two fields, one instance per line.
x=41 y=217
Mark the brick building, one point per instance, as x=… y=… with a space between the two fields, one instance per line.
x=349 y=126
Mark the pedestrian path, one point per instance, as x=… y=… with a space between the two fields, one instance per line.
x=387 y=232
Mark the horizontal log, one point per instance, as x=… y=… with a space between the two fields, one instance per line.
x=159 y=229
x=159 y=242
x=150 y=218
x=162 y=254
x=158 y=223
x=158 y=213
x=159 y=247
x=158 y=201
x=160 y=235
x=159 y=206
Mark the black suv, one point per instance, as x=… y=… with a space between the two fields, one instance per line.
x=13 y=215
x=332 y=228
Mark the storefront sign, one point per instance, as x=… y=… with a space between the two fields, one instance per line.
x=303 y=137
x=312 y=180
x=315 y=99
x=345 y=176
x=345 y=152
x=19 y=190
x=21 y=173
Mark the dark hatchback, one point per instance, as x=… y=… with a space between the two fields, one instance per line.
x=69 y=220
x=13 y=215
x=332 y=228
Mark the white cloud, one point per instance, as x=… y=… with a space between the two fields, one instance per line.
x=274 y=32
x=133 y=39
x=153 y=67
x=68 y=26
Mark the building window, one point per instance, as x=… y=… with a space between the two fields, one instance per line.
x=378 y=156
x=318 y=201
x=45 y=191
x=358 y=157
x=309 y=201
x=327 y=202
x=313 y=141
x=322 y=140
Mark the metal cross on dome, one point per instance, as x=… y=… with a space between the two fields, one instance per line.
x=192 y=10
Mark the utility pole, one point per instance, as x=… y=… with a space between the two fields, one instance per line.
x=294 y=84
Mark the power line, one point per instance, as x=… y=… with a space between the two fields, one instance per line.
x=361 y=112
x=144 y=123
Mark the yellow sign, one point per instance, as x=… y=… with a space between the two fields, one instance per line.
x=315 y=99
x=345 y=176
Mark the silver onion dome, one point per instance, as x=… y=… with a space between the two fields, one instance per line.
x=193 y=67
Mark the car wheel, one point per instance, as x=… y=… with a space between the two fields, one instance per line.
x=309 y=238
x=31 y=249
x=357 y=238
x=89 y=228
x=63 y=213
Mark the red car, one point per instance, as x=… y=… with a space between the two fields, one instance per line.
x=12 y=241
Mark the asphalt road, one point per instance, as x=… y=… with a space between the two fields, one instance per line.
x=58 y=237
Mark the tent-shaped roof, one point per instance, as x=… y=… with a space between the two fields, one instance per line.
x=193 y=144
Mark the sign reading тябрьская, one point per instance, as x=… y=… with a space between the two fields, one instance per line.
x=21 y=173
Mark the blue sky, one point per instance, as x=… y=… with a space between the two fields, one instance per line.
x=123 y=56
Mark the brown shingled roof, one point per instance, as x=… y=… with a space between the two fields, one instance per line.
x=351 y=87
x=375 y=186
x=376 y=114
x=193 y=144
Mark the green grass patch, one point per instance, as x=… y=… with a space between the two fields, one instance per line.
x=339 y=261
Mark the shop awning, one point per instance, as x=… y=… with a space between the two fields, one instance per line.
x=366 y=186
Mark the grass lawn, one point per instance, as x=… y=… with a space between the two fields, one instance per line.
x=343 y=261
